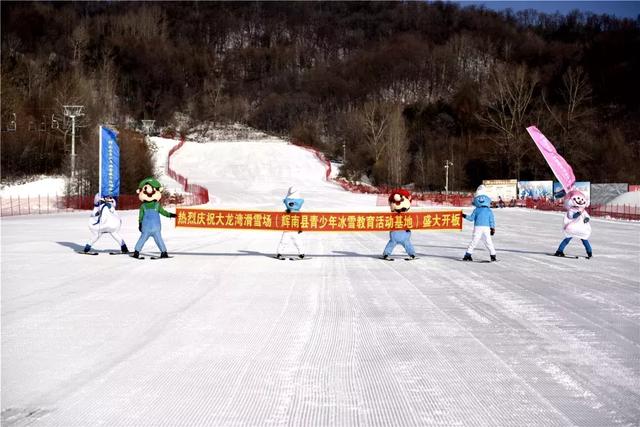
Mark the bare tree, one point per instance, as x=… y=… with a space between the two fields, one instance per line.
x=420 y=172
x=12 y=44
x=35 y=73
x=147 y=22
x=396 y=155
x=213 y=86
x=79 y=40
x=574 y=115
x=374 y=118
x=509 y=101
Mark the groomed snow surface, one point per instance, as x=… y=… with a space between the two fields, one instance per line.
x=225 y=335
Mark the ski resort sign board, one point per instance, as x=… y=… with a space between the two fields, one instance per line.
x=505 y=188
x=319 y=221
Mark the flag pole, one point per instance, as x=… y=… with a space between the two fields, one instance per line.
x=100 y=162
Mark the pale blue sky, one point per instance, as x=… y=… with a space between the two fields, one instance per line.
x=621 y=9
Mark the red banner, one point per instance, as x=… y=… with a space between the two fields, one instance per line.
x=319 y=221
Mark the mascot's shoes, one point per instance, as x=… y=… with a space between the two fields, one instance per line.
x=87 y=248
x=559 y=253
x=493 y=258
x=467 y=257
x=124 y=249
x=136 y=254
x=164 y=255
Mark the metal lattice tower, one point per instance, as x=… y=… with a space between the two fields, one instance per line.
x=148 y=126
x=73 y=111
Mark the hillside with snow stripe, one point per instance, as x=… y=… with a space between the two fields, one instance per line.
x=160 y=148
x=223 y=334
x=257 y=173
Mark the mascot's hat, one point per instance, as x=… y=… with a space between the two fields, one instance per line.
x=400 y=191
x=98 y=197
x=293 y=193
x=481 y=191
x=151 y=181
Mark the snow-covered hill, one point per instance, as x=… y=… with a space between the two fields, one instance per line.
x=257 y=173
x=39 y=186
x=631 y=198
x=224 y=335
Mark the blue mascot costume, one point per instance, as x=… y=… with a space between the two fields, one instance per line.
x=484 y=224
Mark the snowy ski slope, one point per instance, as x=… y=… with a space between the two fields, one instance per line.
x=225 y=335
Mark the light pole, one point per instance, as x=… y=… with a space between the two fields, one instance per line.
x=73 y=111
x=344 y=153
x=447 y=164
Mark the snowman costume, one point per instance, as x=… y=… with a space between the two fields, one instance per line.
x=484 y=224
x=576 y=222
x=293 y=203
x=105 y=220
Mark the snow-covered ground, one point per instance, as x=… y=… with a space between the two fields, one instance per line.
x=223 y=334
x=631 y=198
x=41 y=186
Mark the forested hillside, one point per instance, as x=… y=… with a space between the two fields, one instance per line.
x=399 y=87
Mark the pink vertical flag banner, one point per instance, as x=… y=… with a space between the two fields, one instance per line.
x=558 y=164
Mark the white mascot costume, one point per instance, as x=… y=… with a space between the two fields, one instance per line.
x=293 y=203
x=576 y=221
x=104 y=220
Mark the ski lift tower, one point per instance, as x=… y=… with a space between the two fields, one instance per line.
x=73 y=111
x=147 y=125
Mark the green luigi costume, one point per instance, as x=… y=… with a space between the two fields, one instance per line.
x=150 y=192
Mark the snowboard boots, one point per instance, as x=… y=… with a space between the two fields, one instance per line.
x=278 y=256
x=124 y=249
x=164 y=255
x=87 y=248
x=136 y=254
x=467 y=257
x=493 y=258
x=561 y=254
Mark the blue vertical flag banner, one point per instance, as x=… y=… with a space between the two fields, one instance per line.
x=109 y=163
